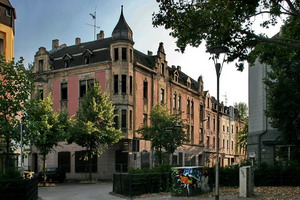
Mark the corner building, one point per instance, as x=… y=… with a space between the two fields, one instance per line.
x=135 y=83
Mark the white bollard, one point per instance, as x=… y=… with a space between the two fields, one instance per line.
x=246 y=181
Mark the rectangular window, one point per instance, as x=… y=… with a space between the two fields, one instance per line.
x=145 y=119
x=41 y=65
x=192 y=134
x=231 y=128
x=224 y=128
x=207 y=141
x=145 y=90
x=231 y=145
x=227 y=144
x=124 y=53
x=214 y=124
x=116 y=118
x=162 y=69
x=162 y=96
x=174 y=101
x=124 y=117
x=135 y=145
x=130 y=85
x=124 y=85
x=214 y=142
x=82 y=88
x=90 y=83
x=64 y=91
x=131 y=55
x=116 y=53
x=116 y=84
x=81 y=162
x=40 y=91
x=201 y=113
x=208 y=123
x=192 y=107
x=223 y=143
x=130 y=119
x=188 y=107
x=228 y=129
x=64 y=161
x=179 y=102
x=188 y=133
x=201 y=136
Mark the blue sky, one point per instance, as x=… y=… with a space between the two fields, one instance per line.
x=40 y=21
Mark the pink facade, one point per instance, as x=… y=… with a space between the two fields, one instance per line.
x=102 y=79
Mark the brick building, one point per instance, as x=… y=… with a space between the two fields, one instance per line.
x=135 y=83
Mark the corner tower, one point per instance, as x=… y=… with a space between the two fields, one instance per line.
x=122 y=76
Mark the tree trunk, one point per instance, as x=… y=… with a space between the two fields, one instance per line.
x=44 y=170
x=90 y=165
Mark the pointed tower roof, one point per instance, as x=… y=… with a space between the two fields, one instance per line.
x=122 y=30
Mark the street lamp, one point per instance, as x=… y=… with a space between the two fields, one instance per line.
x=216 y=51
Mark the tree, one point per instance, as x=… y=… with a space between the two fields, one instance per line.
x=94 y=124
x=242 y=109
x=226 y=23
x=15 y=89
x=165 y=131
x=282 y=82
x=45 y=127
x=241 y=137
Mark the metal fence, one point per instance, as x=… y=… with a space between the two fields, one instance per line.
x=136 y=184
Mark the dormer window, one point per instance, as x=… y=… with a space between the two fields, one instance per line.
x=8 y=12
x=188 y=83
x=66 y=63
x=176 y=75
x=86 y=60
x=41 y=65
x=162 y=69
x=67 y=60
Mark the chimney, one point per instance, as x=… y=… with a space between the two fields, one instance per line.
x=55 y=43
x=179 y=68
x=77 y=40
x=150 y=53
x=100 y=35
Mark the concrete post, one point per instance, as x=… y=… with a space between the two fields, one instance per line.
x=246 y=181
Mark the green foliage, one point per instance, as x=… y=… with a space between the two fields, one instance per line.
x=15 y=89
x=45 y=127
x=93 y=127
x=282 y=81
x=242 y=137
x=242 y=110
x=11 y=174
x=226 y=23
x=165 y=132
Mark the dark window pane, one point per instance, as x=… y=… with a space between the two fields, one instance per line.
x=124 y=53
x=116 y=84
x=124 y=86
x=64 y=91
x=116 y=52
x=64 y=161
x=124 y=117
x=82 y=89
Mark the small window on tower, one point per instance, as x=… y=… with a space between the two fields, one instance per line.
x=124 y=53
x=116 y=54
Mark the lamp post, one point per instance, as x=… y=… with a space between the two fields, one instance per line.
x=216 y=51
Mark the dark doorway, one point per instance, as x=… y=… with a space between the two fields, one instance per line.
x=121 y=161
x=35 y=162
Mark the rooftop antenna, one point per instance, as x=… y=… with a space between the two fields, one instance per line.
x=94 y=16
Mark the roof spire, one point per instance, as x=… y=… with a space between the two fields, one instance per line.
x=122 y=30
